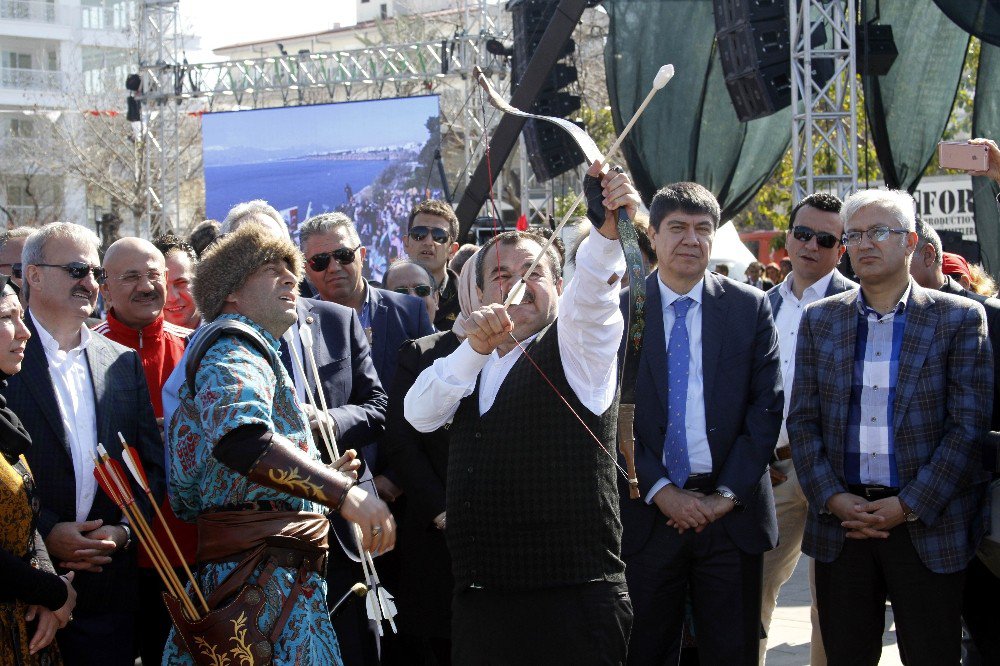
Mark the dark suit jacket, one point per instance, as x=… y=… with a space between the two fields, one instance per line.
x=942 y=407
x=421 y=464
x=122 y=405
x=743 y=407
x=396 y=318
x=351 y=386
x=838 y=285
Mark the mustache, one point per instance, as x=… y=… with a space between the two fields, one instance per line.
x=142 y=295
x=83 y=291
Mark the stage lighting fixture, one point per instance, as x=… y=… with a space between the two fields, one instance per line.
x=133 y=82
x=281 y=48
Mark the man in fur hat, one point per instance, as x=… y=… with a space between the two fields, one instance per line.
x=244 y=464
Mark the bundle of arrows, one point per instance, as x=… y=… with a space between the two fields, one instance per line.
x=111 y=477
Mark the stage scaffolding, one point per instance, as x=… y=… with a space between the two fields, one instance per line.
x=172 y=86
x=824 y=116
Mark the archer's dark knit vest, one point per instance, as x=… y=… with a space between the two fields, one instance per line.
x=531 y=498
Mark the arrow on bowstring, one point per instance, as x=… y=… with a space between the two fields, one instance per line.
x=635 y=263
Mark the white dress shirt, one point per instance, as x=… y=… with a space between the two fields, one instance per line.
x=787 y=322
x=590 y=330
x=699 y=453
x=75 y=396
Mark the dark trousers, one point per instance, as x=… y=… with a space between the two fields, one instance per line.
x=151 y=633
x=574 y=625
x=97 y=639
x=725 y=588
x=981 y=610
x=851 y=593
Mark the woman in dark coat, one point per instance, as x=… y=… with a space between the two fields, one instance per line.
x=34 y=601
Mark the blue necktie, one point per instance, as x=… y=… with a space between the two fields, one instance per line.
x=675 y=450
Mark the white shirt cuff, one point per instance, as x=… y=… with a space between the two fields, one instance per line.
x=662 y=483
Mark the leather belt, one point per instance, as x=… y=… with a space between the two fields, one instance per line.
x=783 y=453
x=872 y=493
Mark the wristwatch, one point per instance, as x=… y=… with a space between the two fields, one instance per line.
x=128 y=537
x=908 y=514
x=729 y=495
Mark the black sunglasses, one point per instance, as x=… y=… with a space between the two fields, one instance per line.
x=15 y=270
x=421 y=290
x=78 y=270
x=344 y=256
x=439 y=236
x=823 y=239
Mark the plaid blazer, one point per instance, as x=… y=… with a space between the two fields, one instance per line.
x=942 y=408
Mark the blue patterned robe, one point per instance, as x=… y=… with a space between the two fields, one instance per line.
x=236 y=387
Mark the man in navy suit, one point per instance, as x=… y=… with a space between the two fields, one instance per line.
x=708 y=411
x=814 y=248
x=78 y=389
x=334 y=264
x=893 y=394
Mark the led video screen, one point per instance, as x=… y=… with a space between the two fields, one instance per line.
x=371 y=160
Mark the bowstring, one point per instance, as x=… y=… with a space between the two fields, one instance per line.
x=496 y=216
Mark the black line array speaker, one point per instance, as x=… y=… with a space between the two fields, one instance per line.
x=550 y=150
x=755 y=51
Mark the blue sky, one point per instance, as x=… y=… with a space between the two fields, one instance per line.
x=332 y=126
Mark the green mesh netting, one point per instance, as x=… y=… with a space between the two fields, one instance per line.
x=690 y=131
x=986 y=122
x=979 y=17
x=908 y=108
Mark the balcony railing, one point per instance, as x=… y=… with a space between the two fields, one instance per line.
x=28 y=10
x=30 y=79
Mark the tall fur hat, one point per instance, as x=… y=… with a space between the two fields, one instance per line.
x=226 y=265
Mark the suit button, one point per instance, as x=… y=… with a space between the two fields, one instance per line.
x=479 y=435
x=472 y=539
x=470 y=469
x=468 y=504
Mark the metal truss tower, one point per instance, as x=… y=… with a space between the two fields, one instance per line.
x=162 y=84
x=441 y=66
x=824 y=120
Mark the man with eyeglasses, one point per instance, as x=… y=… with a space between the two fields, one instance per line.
x=893 y=394
x=431 y=240
x=405 y=276
x=814 y=250
x=334 y=265
x=78 y=389
x=135 y=293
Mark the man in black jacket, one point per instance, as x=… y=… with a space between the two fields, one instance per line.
x=982 y=586
x=532 y=508
x=77 y=389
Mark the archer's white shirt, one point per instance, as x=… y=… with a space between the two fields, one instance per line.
x=590 y=330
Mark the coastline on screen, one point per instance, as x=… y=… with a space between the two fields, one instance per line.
x=371 y=160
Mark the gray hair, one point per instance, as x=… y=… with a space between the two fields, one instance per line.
x=326 y=223
x=927 y=236
x=242 y=213
x=403 y=261
x=16 y=232
x=898 y=203
x=34 y=248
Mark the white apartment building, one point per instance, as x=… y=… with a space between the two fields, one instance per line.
x=52 y=51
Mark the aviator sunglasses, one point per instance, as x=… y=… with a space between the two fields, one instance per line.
x=343 y=255
x=421 y=290
x=823 y=239
x=439 y=236
x=78 y=270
